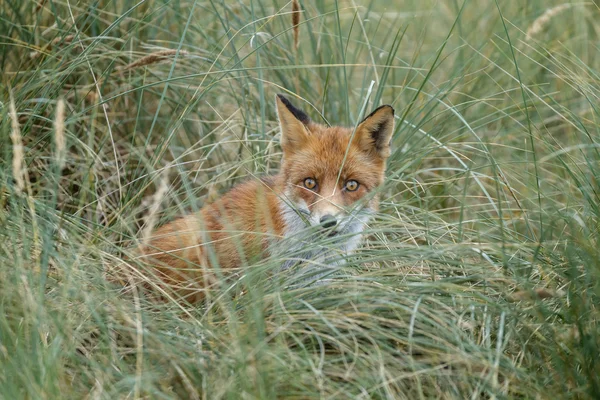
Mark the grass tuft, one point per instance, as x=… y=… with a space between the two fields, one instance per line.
x=479 y=277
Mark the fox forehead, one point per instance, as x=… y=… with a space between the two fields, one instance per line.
x=326 y=151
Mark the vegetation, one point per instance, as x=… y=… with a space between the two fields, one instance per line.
x=480 y=277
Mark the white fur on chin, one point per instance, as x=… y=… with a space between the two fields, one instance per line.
x=300 y=237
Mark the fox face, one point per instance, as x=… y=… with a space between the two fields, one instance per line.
x=331 y=174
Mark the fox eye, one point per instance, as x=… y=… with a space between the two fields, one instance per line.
x=310 y=183
x=351 y=185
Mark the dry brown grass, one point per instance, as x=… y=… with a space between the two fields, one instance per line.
x=17 y=143
x=541 y=23
x=153 y=58
x=296 y=22
x=59 y=133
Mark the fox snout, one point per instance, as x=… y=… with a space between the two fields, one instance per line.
x=328 y=214
x=329 y=224
x=328 y=221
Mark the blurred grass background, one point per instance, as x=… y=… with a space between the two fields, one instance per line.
x=479 y=278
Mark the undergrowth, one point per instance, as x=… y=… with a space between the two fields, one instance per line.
x=479 y=278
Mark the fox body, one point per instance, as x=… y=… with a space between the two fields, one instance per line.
x=326 y=186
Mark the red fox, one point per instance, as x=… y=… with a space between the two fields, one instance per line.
x=326 y=185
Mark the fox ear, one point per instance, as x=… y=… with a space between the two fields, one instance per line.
x=293 y=124
x=374 y=133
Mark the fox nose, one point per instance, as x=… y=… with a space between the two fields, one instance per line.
x=328 y=221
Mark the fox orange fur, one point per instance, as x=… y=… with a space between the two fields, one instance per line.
x=325 y=185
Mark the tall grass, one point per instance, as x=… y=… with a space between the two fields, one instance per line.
x=480 y=277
